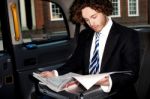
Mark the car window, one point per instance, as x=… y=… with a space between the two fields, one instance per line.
x=42 y=21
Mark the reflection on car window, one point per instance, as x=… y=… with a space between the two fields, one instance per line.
x=42 y=21
x=1 y=42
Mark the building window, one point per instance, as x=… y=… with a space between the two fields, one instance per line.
x=43 y=30
x=55 y=12
x=116 y=6
x=133 y=8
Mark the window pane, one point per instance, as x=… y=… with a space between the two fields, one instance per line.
x=55 y=12
x=44 y=28
x=116 y=6
x=132 y=7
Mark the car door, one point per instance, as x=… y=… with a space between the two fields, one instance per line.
x=38 y=36
x=7 y=88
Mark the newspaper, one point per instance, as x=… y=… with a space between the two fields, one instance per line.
x=59 y=83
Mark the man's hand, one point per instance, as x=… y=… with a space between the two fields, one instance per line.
x=47 y=74
x=104 y=81
x=71 y=83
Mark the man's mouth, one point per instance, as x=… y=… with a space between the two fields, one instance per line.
x=94 y=27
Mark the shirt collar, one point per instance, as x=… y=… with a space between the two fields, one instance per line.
x=107 y=27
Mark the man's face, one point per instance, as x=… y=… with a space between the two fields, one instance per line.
x=95 y=20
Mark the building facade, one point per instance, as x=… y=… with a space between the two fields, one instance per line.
x=48 y=18
x=133 y=12
x=126 y=12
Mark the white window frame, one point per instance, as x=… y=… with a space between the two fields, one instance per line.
x=119 y=14
x=51 y=15
x=33 y=14
x=137 y=9
x=23 y=15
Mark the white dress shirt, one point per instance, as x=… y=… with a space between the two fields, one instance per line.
x=102 y=41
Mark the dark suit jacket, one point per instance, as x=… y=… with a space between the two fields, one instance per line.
x=121 y=53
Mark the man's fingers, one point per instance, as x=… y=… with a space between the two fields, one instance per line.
x=104 y=81
x=47 y=74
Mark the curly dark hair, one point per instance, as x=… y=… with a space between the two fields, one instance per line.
x=104 y=6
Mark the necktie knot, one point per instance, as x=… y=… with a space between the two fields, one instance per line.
x=97 y=35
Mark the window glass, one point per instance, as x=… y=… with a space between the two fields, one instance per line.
x=1 y=42
x=116 y=6
x=55 y=12
x=42 y=22
x=133 y=7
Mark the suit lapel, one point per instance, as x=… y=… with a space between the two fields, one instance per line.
x=110 y=45
x=87 y=50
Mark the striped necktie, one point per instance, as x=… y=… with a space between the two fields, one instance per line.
x=94 y=64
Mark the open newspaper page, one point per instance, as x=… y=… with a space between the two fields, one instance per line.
x=90 y=80
x=87 y=81
x=56 y=83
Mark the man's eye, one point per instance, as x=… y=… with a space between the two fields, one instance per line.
x=86 y=20
x=94 y=17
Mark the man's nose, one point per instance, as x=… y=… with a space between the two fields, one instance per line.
x=91 y=22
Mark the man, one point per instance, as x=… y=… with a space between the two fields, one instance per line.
x=104 y=46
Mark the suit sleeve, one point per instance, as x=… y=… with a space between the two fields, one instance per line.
x=75 y=62
x=130 y=59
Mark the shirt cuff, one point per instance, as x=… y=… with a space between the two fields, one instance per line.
x=107 y=88
x=55 y=72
